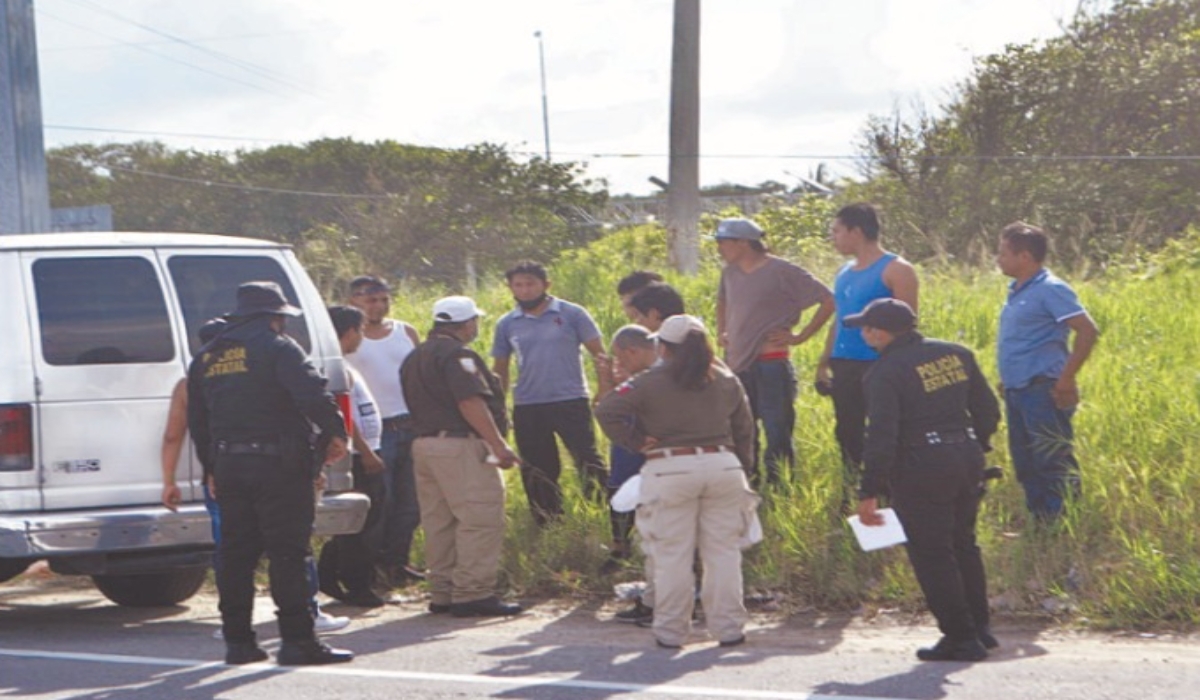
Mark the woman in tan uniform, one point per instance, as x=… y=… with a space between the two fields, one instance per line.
x=689 y=416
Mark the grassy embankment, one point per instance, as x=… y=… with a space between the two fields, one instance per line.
x=1129 y=552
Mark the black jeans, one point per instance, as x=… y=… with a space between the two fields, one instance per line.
x=850 y=409
x=267 y=507
x=349 y=560
x=535 y=427
x=771 y=391
x=936 y=495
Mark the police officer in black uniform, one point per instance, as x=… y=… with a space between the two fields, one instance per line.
x=930 y=416
x=255 y=400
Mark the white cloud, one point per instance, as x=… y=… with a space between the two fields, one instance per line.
x=778 y=76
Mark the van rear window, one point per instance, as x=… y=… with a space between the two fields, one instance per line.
x=207 y=288
x=101 y=311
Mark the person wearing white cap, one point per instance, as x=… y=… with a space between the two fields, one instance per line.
x=458 y=413
x=760 y=300
x=689 y=415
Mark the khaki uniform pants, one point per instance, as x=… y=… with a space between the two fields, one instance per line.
x=690 y=502
x=462 y=512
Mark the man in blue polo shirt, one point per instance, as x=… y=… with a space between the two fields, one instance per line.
x=551 y=395
x=1037 y=369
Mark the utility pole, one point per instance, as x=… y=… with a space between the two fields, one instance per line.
x=545 y=104
x=24 y=189
x=683 y=192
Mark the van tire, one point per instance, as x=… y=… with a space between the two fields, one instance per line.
x=161 y=589
x=11 y=568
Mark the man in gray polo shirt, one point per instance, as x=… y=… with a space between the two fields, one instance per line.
x=551 y=395
x=760 y=300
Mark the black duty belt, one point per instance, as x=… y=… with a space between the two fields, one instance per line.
x=449 y=434
x=397 y=423
x=943 y=437
x=270 y=449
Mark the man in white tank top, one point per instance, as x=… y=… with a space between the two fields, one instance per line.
x=386 y=343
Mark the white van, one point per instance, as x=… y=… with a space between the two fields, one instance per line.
x=95 y=331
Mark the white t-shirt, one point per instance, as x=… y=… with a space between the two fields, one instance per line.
x=364 y=412
x=378 y=361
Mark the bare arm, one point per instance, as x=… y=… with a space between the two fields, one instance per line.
x=475 y=411
x=820 y=318
x=824 y=374
x=172 y=444
x=901 y=278
x=500 y=369
x=721 y=339
x=370 y=461
x=412 y=334
x=1066 y=391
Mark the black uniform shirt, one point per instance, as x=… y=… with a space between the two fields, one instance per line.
x=916 y=387
x=251 y=384
x=441 y=372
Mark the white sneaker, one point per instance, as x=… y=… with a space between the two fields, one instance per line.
x=324 y=622
x=218 y=633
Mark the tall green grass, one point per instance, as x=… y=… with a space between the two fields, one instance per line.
x=1128 y=552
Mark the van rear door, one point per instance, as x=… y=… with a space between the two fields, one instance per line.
x=106 y=360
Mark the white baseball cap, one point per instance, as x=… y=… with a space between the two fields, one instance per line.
x=455 y=309
x=676 y=328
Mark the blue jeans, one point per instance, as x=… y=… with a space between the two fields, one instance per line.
x=771 y=389
x=393 y=535
x=1040 y=442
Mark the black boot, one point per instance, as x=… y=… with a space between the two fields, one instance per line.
x=311 y=653
x=948 y=649
x=487 y=607
x=238 y=653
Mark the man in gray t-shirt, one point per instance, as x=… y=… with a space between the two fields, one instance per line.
x=760 y=300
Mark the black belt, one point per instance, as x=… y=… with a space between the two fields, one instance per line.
x=397 y=423
x=943 y=437
x=449 y=434
x=270 y=449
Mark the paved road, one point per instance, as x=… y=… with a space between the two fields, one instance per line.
x=59 y=640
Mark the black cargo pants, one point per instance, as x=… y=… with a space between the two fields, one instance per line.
x=267 y=507
x=936 y=493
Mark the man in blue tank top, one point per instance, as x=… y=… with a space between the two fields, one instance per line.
x=873 y=273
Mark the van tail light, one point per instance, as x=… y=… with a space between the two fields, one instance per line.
x=343 y=402
x=16 y=437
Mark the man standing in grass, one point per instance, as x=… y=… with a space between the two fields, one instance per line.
x=761 y=298
x=873 y=273
x=551 y=396
x=1038 y=369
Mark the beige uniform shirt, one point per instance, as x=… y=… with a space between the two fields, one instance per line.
x=652 y=405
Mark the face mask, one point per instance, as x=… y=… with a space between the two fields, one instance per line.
x=532 y=303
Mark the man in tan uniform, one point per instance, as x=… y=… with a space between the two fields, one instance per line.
x=457 y=407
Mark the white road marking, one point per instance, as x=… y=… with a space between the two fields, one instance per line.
x=353 y=672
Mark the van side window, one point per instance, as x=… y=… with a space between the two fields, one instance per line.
x=101 y=311
x=207 y=288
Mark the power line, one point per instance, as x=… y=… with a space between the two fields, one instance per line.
x=1022 y=158
x=157 y=54
x=198 y=40
x=135 y=132
x=261 y=71
x=229 y=185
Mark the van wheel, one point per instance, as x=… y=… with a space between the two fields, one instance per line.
x=160 y=589
x=10 y=568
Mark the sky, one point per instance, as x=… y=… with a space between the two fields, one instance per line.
x=785 y=84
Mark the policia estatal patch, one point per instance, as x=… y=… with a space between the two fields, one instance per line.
x=231 y=361
x=941 y=373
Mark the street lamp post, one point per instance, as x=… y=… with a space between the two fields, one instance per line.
x=545 y=106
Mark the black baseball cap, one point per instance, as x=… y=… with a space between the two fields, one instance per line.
x=891 y=315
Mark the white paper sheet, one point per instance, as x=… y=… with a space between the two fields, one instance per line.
x=889 y=534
